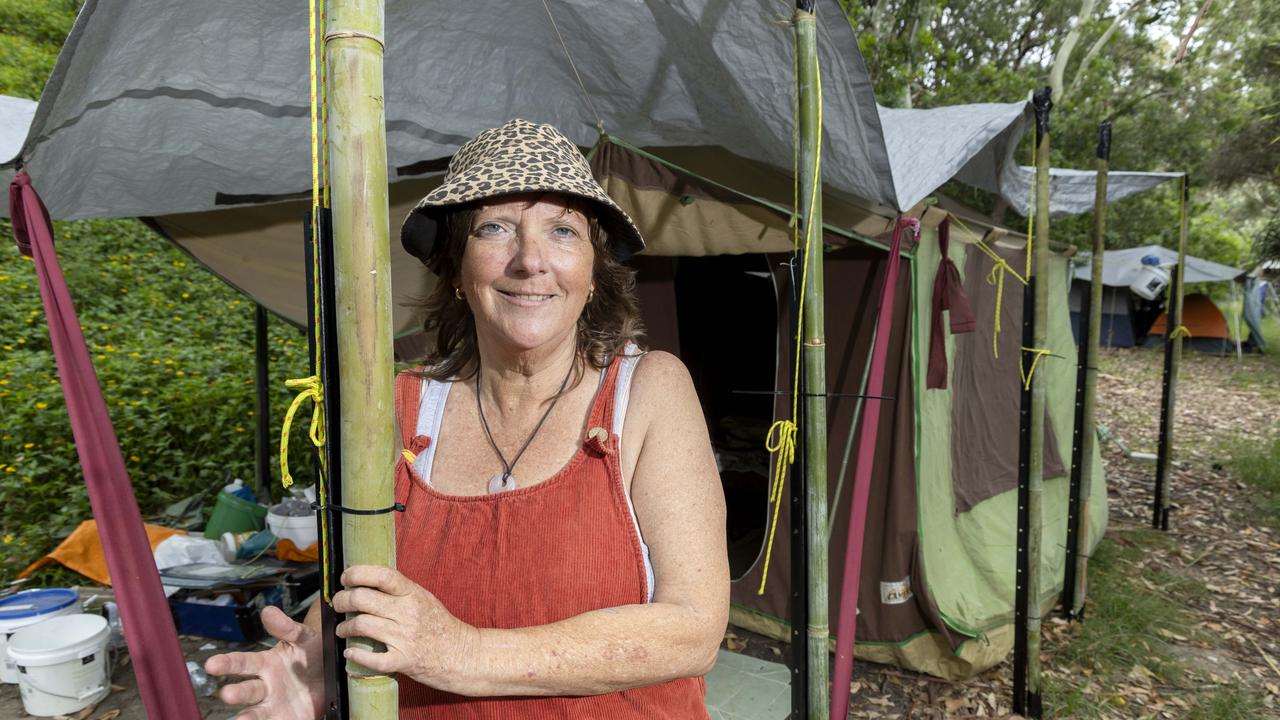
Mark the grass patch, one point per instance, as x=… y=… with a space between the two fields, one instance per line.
x=1124 y=624
x=1255 y=463
x=1228 y=703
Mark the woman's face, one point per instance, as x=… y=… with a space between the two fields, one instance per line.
x=527 y=270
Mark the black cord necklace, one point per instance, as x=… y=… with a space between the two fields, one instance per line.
x=504 y=481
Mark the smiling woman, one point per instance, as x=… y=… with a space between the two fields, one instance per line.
x=549 y=565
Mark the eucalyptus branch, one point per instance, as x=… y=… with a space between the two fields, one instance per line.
x=1097 y=44
x=1068 y=46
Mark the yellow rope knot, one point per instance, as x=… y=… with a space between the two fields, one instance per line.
x=1028 y=374
x=995 y=277
x=1180 y=331
x=781 y=440
x=312 y=389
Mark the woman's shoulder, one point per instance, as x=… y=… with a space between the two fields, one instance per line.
x=661 y=380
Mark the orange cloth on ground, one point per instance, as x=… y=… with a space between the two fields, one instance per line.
x=82 y=551
x=286 y=550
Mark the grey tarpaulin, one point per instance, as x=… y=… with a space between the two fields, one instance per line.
x=1120 y=267
x=168 y=106
x=1071 y=192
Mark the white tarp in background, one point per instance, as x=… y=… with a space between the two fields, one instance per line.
x=15 y=120
x=1121 y=267
x=1071 y=192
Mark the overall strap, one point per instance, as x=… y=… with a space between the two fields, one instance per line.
x=602 y=407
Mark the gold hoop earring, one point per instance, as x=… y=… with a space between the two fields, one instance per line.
x=590 y=295
x=457 y=293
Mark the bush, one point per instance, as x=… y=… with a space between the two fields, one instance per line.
x=173 y=348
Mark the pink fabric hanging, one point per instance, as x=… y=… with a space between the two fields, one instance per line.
x=148 y=627
x=848 y=620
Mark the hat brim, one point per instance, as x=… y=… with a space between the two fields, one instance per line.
x=422 y=231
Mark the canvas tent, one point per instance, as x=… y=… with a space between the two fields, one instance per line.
x=1129 y=320
x=208 y=141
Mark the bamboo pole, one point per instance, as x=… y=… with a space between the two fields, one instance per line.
x=1035 y=477
x=362 y=287
x=1078 y=546
x=814 y=353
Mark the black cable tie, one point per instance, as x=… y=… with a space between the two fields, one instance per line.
x=331 y=508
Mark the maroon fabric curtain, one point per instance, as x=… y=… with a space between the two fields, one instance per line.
x=848 y=617
x=948 y=295
x=148 y=627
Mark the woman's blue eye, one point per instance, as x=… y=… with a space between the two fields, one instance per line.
x=565 y=232
x=489 y=228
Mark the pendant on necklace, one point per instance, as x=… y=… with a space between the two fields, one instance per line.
x=502 y=482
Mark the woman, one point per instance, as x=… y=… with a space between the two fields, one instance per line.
x=549 y=565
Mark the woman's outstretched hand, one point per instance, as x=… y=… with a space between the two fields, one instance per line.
x=286 y=682
x=423 y=639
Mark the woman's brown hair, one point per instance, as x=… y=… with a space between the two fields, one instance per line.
x=610 y=319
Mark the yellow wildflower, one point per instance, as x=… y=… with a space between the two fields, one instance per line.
x=41 y=406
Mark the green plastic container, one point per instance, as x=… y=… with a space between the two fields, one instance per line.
x=233 y=514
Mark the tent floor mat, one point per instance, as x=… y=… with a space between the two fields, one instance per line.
x=741 y=687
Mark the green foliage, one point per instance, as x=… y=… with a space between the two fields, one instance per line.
x=1266 y=244
x=31 y=32
x=173 y=350
x=1214 y=114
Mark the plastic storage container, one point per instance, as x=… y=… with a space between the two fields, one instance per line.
x=233 y=514
x=62 y=664
x=27 y=608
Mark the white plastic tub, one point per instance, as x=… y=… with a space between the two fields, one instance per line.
x=27 y=608
x=301 y=530
x=62 y=664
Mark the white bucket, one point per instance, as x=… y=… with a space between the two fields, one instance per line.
x=299 y=529
x=27 y=608
x=62 y=664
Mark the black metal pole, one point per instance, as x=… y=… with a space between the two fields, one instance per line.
x=261 y=439
x=799 y=536
x=1022 y=596
x=1160 y=514
x=1077 y=459
x=335 y=680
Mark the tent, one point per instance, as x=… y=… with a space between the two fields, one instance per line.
x=1206 y=327
x=207 y=140
x=1127 y=318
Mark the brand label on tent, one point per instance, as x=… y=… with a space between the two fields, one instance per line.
x=895 y=593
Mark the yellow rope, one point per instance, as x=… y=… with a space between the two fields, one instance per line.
x=408 y=456
x=782 y=434
x=1180 y=331
x=312 y=387
x=312 y=390
x=1028 y=374
x=995 y=277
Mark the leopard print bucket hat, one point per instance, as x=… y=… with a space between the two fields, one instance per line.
x=518 y=157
